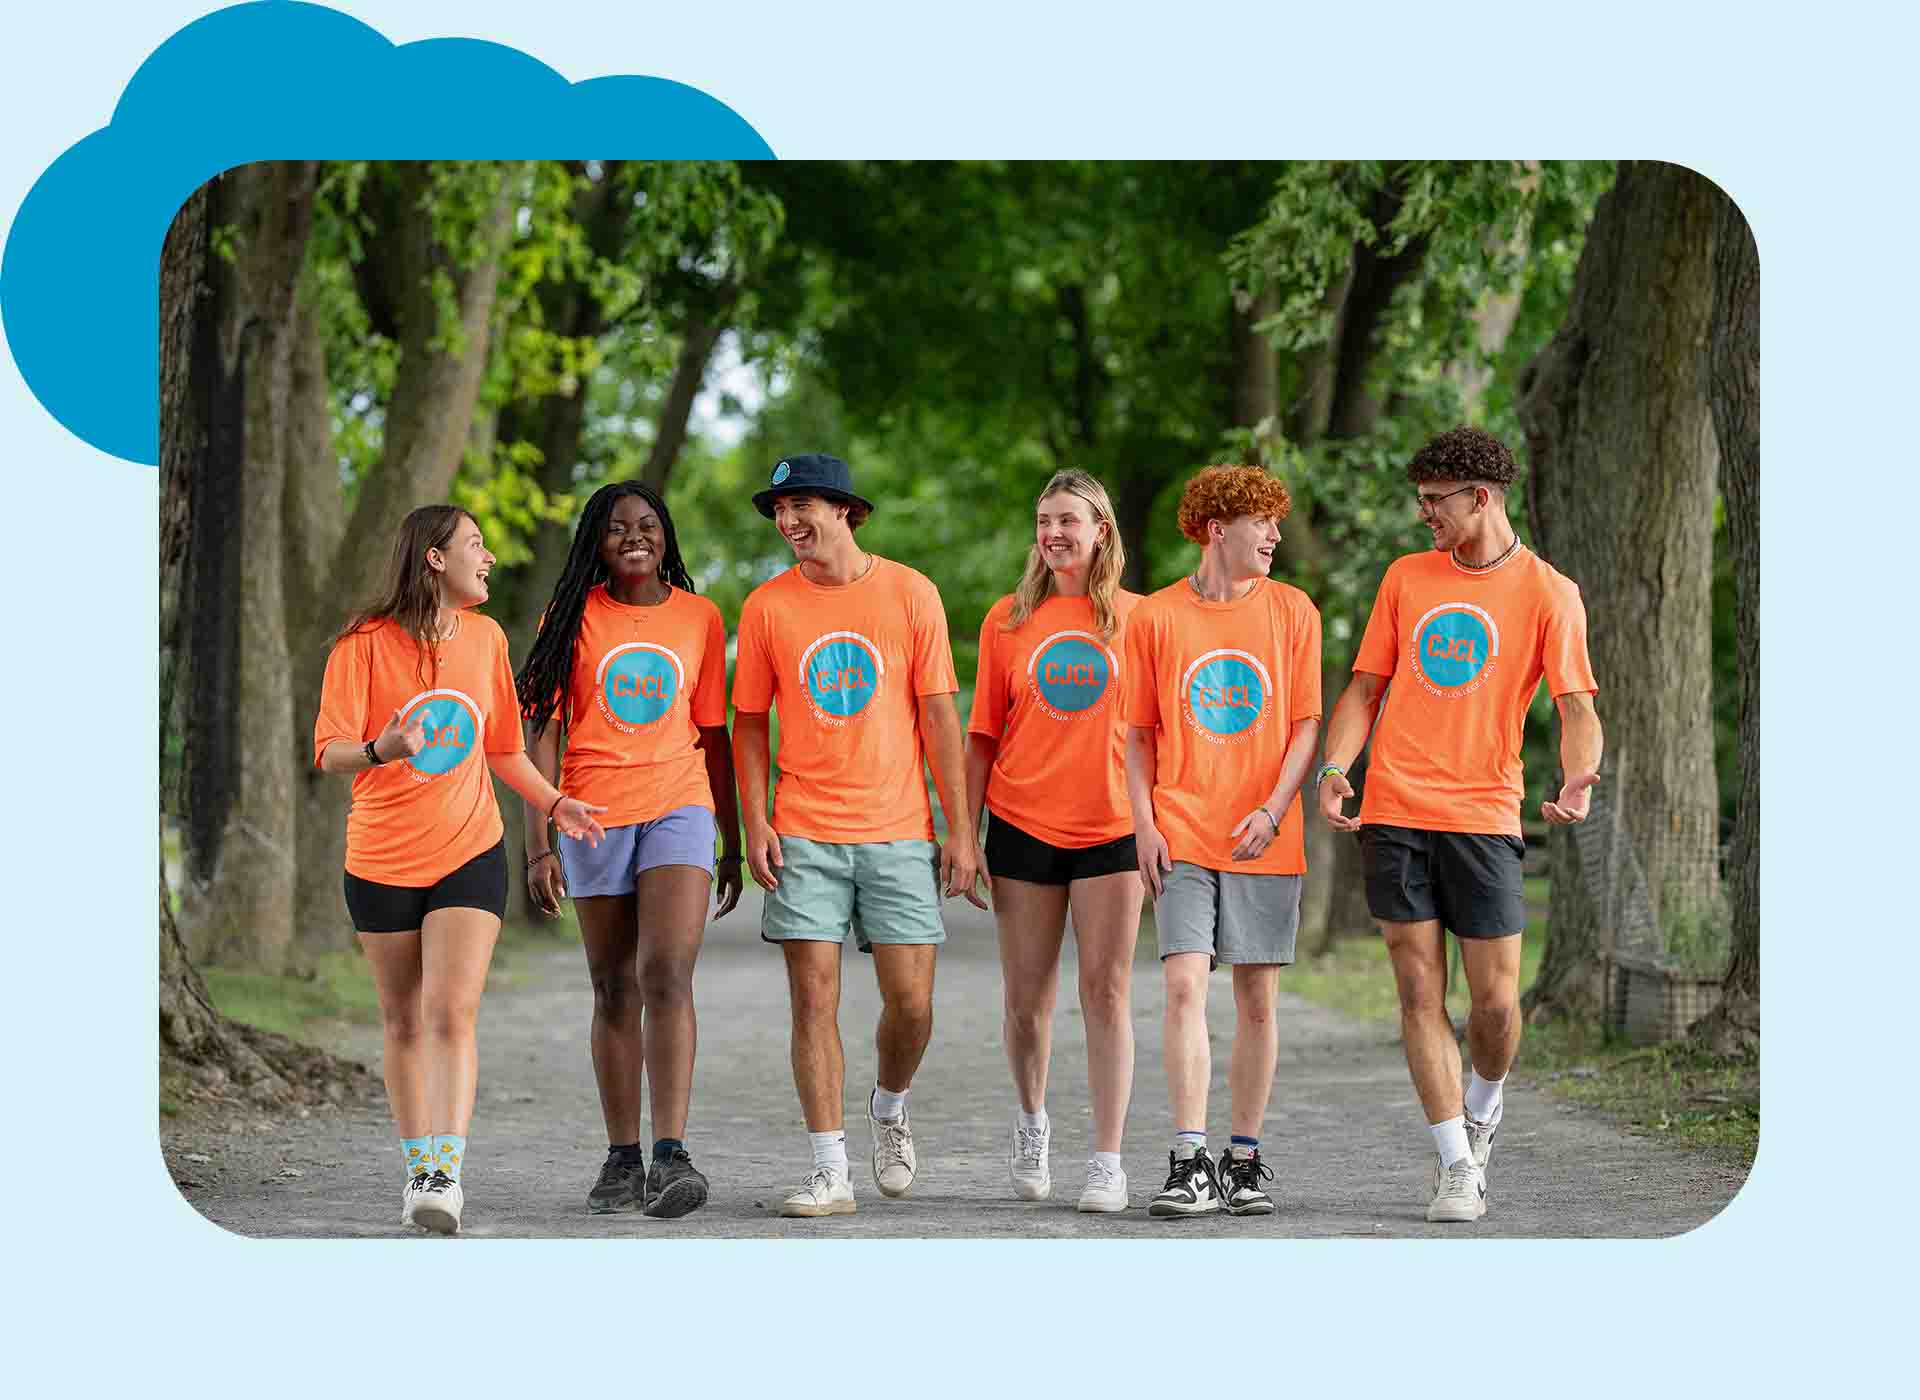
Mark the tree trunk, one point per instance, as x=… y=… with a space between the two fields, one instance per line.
x=697 y=341
x=238 y=901
x=315 y=517
x=1734 y=360
x=1623 y=458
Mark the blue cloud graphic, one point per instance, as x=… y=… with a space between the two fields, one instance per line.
x=276 y=80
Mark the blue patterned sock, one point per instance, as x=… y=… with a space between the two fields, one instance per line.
x=419 y=1155
x=664 y=1148
x=448 y=1149
x=1241 y=1146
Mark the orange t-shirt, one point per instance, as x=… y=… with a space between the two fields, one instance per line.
x=1223 y=684
x=415 y=820
x=1465 y=652
x=645 y=681
x=847 y=667
x=1049 y=693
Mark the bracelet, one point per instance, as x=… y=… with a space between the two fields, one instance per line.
x=1321 y=776
x=373 y=755
x=1271 y=819
x=556 y=805
x=537 y=859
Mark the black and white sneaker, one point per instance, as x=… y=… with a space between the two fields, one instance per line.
x=674 y=1187
x=1191 y=1189
x=622 y=1186
x=1240 y=1179
x=439 y=1205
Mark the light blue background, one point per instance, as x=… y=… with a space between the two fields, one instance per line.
x=114 y=1278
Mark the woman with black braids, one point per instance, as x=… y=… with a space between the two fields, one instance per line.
x=633 y=666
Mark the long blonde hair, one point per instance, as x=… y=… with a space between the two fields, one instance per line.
x=1103 y=577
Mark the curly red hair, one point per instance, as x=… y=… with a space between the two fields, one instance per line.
x=1225 y=493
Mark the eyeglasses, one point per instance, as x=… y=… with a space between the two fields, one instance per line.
x=1426 y=503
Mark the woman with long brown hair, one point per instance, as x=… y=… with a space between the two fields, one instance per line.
x=418 y=687
x=1046 y=754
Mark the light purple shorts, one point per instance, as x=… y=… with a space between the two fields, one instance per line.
x=684 y=836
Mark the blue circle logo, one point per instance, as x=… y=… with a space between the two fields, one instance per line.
x=640 y=683
x=1226 y=694
x=842 y=673
x=1071 y=674
x=1452 y=646
x=451 y=731
x=781 y=473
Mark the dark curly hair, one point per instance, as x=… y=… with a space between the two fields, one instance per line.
x=542 y=682
x=1226 y=493
x=1464 y=454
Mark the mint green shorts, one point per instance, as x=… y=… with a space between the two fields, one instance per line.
x=879 y=891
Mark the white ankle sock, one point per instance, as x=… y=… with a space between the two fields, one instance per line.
x=1186 y=1144
x=1034 y=1122
x=830 y=1149
x=1109 y=1160
x=1483 y=1097
x=889 y=1105
x=1450 y=1140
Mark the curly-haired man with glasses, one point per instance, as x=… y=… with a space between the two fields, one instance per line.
x=1464 y=632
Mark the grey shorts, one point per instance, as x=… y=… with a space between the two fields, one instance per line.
x=878 y=891
x=1231 y=918
x=684 y=836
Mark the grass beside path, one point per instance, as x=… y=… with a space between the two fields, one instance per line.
x=1674 y=1092
x=337 y=990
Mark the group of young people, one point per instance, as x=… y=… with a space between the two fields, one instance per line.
x=1121 y=747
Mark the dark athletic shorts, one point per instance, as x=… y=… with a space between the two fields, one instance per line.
x=479 y=884
x=1014 y=855
x=1468 y=881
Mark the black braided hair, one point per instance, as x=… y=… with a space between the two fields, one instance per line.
x=543 y=680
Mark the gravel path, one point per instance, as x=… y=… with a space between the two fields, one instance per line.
x=1344 y=1133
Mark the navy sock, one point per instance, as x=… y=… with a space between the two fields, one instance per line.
x=1243 y=1146
x=629 y=1153
x=664 y=1148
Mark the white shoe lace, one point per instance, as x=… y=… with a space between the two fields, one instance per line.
x=1459 y=1180
x=894 y=1138
x=1101 y=1177
x=1029 y=1148
x=819 y=1183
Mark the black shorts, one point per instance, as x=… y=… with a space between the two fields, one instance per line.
x=1014 y=855
x=1468 y=881
x=479 y=884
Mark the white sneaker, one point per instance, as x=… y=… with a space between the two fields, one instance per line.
x=824 y=1192
x=894 y=1163
x=410 y=1196
x=1459 y=1192
x=439 y=1204
x=1106 y=1189
x=1480 y=1139
x=1027 y=1162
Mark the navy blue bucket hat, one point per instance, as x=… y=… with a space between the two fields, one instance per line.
x=809 y=474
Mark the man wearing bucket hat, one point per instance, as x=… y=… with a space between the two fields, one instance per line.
x=852 y=649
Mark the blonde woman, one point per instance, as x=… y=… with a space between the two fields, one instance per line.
x=1046 y=754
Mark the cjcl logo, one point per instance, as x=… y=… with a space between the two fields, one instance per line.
x=1071 y=672
x=1453 y=644
x=842 y=672
x=1226 y=692
x=639 y=682
x=451 y=722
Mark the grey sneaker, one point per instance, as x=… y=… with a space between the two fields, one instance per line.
x=439 y=1204
x=622 y=1186
x=824 y=1192
x=1105 y=1190
x=1480 y=1139
x=1459 y=1192
x=894 y=1162
x=674 y=1187
x=1240 y=1179
x=1027 y=1162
